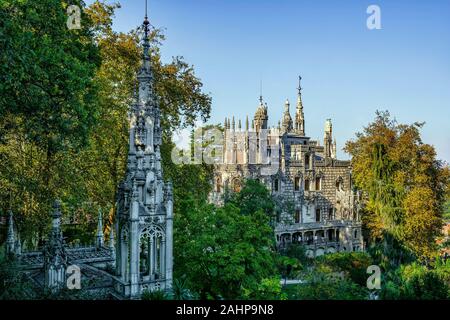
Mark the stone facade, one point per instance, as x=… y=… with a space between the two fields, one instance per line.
x=320 y=207
x=144 y=211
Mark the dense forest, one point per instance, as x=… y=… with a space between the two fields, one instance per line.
x=64 y=99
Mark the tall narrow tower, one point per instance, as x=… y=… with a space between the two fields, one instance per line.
x=299 y=115
x=55 y=259
x=144 y=225
x=328 y=139
x=286 y=123
x=261 y=118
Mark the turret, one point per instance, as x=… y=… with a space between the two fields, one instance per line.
x=11 y=236
x=299 y=126
x=261 y=118
x=334 y=150
x=99 y=238
x=328 y=138
x=286 y=123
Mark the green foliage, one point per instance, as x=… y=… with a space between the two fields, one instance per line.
x=337 y=276
x=47 y=104
x=446 y=215
x=180 y=290
x=267 y=289
x=354 y=264
x=189 y=180
x=225 y=252
x=321 y=285
x=298 y=252
x=405 y=186
x=416 y=282
x=64 y=98
x=254 y=196
x=13 y=284
x=154 y=295
x=221 y=251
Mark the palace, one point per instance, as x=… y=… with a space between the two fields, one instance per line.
x=311 y=186
x=141 y=259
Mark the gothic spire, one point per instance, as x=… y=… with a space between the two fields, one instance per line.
x=299 y=95
x=11 y=238
x=146 y=41
x=100 y=239
x=286 y=123
x=299 y=115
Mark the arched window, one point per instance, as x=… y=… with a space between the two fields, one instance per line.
x=236 y=185
x=340 y=184
x=297 y=216
x=307 y=183
x=275 y=185
x=307 y=161
x=219 y=184
x=318 y=183
x=297 y=183
x=317 y=215
x=330 y=214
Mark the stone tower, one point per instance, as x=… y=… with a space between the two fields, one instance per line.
x=261 y=117
x=328 y=139
x=144 y=225
x=286 y=123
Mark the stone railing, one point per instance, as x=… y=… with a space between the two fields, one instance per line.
x=316 y=225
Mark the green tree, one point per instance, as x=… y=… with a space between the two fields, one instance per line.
x=222 y=252
x=405 y=187
x=415 y=282
x=253 y=196
x=323 y=285
x=47 y=102
x=64 y=98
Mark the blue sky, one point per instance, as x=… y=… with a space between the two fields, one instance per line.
x=348 y=70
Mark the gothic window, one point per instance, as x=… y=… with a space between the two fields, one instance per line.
x=330 y=235
x=318 y=183
x=340 y=184
x=297 y=183
x=307 y=184
x=236 y=185
x=307 y=161
x=356 y=234
x=275 y=185
x=219 y=184
x=297 y=216
x=317 y=215
x=330 y=214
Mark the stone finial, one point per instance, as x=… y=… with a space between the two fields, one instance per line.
x=99 y=238
x=11 y=238
x=56 y=213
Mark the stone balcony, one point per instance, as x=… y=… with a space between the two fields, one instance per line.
x=295 y=227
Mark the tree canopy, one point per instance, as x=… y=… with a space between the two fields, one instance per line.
x=404 y=184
